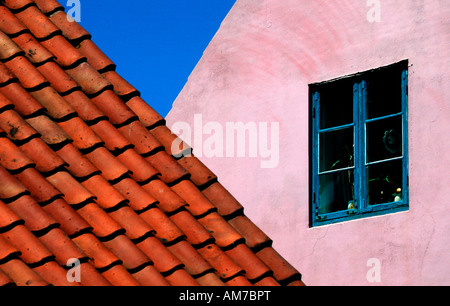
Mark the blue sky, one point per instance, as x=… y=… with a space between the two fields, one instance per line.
x=154 y=43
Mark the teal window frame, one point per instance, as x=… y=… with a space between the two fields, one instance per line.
x=358 y=206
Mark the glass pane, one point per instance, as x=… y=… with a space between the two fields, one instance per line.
x=336 y=191
x=385 y=182
x=336 y=149
x=336 y=104
x=384 y=139
x=384 y=93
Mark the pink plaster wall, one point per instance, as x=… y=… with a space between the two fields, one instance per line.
x=257 y=69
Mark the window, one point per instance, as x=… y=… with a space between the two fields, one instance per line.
x=359 y=164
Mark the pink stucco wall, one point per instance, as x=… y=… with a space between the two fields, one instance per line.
x=257 y=69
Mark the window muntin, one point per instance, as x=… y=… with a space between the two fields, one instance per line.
x=359 y=145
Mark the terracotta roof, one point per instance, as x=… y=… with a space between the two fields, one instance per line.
x=87 y=173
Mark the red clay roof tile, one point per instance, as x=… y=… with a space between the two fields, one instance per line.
x=99 y=255
x=195 y=233
x=121 y=87
x=209 y=279
x=173 y=145
x=50 y=132
x=54 y=274
x=91 y=277
x=48 y=6
x=254 y=268
x=181 y=278
x=283 y=271
x=226 y=268
x=11 y=157
x=21 y=274
x=29 y=77
x=7 y=250
x=267 y=281
x=78 y=165
x=13 y=124
x=8 y=49
x=55 y=105
x=162 y=258
x=239 y=280
x=9 y=24
x=253 y=235
x=61 y=246
x=148 y=276
x=135 y=227
x=65 y=54
x=106 y=195
x=198 y=204
x=140 y=200
x=58 y=78
x=226 y=204
x=221 y=230
x=169 y=201
x=10 y=187
x=131 y=256
x=194 y=263
x=78 y=131
x=165 y=229
x=140 y=137
x=96 y=58
x=114 y=141
x=36 y=219
x=141 y=170
x=84 y=107
x=88 y=171
x=24 y=103
x=171 y=171
x=70 y=29
x=6 y=76
x=89 y=79
x=33 y=252
x=17 y=4
x=147 y=115
x=41 y=190
x=73 y=192
x=37 y=23
x=119 y=276
x=34 y=51
x=46 y=160
x=68 y=219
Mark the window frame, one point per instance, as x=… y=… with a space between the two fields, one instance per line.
x=360 y=163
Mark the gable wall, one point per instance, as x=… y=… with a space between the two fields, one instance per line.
x=257 y=69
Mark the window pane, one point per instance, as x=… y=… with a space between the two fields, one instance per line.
x=384 y=139
x=336 y=149
x=385 y=182
x=336 y=191
x=336 y=104
x=384 y=93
